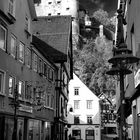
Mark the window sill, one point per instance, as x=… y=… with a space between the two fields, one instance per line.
x=13 y=56
x=2 y=94
x=11 y=18
x=6 y=17
x=20 y=99
x=27 y=32
x=28 y=101
x=11 y=96
x=3 y=49
x=28 y=66
x=21 y=61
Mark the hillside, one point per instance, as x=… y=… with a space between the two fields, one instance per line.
x=91 y=60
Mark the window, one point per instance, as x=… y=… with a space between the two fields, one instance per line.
x=133 y=44
x=89 y=119
x=76 y=104
x=40 y=66
x=76 y=120
x=50 y=2
x=13 y=46
x=48 y=100
x=11 y=86
x=2 y=82
x=27 y=24
x=3 y=37
x=90 y=134
x=45 y=69
x=28 y=57
x=76 y=91
x=110 y=130
x=67 y=8
x=21 y=89
x=52 y=101
x=28 y=91
x=21 y=52
x=12 y=5
x=58 y=13
x=49 y=14
x=76 y=134
x=89 y=104
x=50 y=74
x=35 y=62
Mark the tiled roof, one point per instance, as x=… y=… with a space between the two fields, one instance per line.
x=48 y=51
x=55 y=31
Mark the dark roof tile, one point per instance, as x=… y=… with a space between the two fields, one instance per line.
x=48 y=51
x=55 y=31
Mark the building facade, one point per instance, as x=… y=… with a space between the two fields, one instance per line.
x=83 y=112
x=58 y=35
x=131 y=35
x=108 y=117
x=27 y=76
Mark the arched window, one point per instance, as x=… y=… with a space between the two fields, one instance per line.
x=89 y=134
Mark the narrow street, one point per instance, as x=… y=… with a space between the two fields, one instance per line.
x=69 y=70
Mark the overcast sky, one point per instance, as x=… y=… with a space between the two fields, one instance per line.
x=92 y=5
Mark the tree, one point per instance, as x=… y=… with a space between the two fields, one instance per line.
x=92 y=63
x=101 y=16
x=91 y=60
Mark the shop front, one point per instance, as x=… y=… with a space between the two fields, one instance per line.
x=27 y=129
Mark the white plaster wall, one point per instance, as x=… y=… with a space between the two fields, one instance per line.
x=44 y=8
x=84 y=95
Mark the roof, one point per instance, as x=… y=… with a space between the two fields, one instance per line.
x=79 y=83
x=49 y=52
x=55 y=31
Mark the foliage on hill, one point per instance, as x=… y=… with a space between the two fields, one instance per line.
x=103 y=18
x=91 y=58
x=91 y=64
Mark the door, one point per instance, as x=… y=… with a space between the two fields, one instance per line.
x=90 y=134
x=76 y=134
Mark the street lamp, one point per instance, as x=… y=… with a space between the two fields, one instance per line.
x=121 y=62
x=16 y=105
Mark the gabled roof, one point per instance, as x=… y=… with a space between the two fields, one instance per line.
x=49 y=52
x=55 y=31
x=79 y=83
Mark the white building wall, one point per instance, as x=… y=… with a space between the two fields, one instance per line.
x=84 y=95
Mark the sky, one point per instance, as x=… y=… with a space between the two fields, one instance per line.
x=107 y=5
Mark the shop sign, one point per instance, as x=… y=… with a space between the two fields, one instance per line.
x=137 y=78
x=25 y=108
